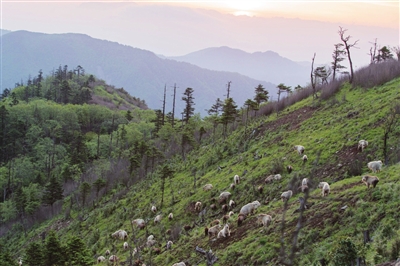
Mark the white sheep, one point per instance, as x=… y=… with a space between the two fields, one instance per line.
x=375 y=166
x=197 y=206
x=169 y=244
x=305 y=182
x=158 y=218
x=121 y=234
x=305 y=158
x=232 y=204
x=236 y=179
x=154 y=209
x=300 y=149
x=224 y=232
x=232 y=186
x=20 y=261
x=126 y=246
x=370 y=180
x=108 y=252
x=224 y=196
x=170 y=216
x=150 y=237
x=212 y=231
x=100 y=259
x=249 y=208
x=207 y=187
x=271 y=178
x=285 y=196
x=264 y=219
x=113 y=258
x=150 y=243
x=325 y=188
x=179 y=264
x=362 y=144
x=140 y=223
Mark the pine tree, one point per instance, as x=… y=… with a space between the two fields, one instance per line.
x=77 y=252
x=229 y=113
x=54 y=252
x=34 y=255
x=189 y=109
x=337 y=57
x=5 y=257
x=261 y=95
x=53 y=191
x=84 y=189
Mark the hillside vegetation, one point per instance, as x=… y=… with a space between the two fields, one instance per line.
x=169 y=169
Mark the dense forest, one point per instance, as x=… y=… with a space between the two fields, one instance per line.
x=81 y=159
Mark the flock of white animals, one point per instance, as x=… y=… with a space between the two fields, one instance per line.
x=220 y=227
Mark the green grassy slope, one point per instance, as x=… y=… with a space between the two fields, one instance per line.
x=329 y=130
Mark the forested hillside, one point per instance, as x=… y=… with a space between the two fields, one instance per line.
x=73 y=173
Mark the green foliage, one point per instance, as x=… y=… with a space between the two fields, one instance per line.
x=54 y=252
x=5 y=257
x=344 y=252
x=34 y=255
x=53 y=191
x=77 y=252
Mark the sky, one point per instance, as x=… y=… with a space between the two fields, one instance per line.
x=294 y=29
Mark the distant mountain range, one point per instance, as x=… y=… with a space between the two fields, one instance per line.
x=140 y=72
x=268 y=65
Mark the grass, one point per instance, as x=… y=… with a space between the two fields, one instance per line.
x=332 y=131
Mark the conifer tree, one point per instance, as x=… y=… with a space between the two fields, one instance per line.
x=77 y=252
x=54 y=252
x=5 y=257
x=261 y=95
x=34 y=255
x=229 y=113
x=53 y=192
x=189 y=109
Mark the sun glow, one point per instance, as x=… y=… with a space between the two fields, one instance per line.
x=244 y=8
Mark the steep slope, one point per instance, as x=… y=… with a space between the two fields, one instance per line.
x=139 y=72
x=329 y=130
x=267 y=65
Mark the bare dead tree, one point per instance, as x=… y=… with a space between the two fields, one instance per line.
x=372 y=51
x=347 y=46
x=313 y=85
x=396 y=51
x=210 y=257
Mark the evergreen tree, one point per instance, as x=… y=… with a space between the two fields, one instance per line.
x=128 y=115
x=77 y=252
x=34 y=255
x=261 y=95
x=53 y=192
x=158 y=121
x=189 y=109
x=5 y=257
x=337 y=57
x=54 y=252
x=65 y=91
x=229 y=113
x=99 y=184
x=84 y=189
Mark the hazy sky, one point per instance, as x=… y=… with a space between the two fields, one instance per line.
x=294 y=29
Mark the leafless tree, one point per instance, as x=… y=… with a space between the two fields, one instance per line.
x=313 y=85
x=396 y=50
x=347 y=46
x=372 y=51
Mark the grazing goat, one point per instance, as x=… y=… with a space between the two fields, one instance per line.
x=212 y=231
x=224 y=196
x=207 y=187
x=271 y=178
x=169 y=244
x=226 y=217
x=101 y=259
x=285 y=196
x=375 y=166
x=240 y=219
x=140 y=223
x=305 y=158
x=126 y=246
x=121 y=234
x=113 y=258
x=232 y=204
x=108 y=252
x=249 y=208
x=325 y=188
x=215 y=222
x=370 y=180
x=260 y=189
x=289 y=168
x=362 y=144
x=300 y=149
x=213 y=207
x=179 y=264
x=157 y=219
x=170 y=216
x=224 y=232
x=224 y=208
x=264 y=219
x=154 y=209
x=236 y=180
x=197 y=206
